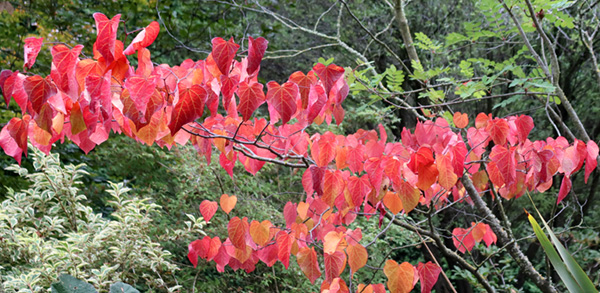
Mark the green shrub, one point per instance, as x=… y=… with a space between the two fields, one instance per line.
x=49 y=229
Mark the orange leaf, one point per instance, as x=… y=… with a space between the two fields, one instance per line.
x=307 y=260
x=478 y=231
x=409 y=195
x=400 y=277
x=333 y=185
x=260 y=232
x=228 y=202
x=304 y=82
x=460 y=120
x=446 y=178
x=357 y=256
x=481 y=121
x=331 y=241
x=392 y=202
x=302 y=210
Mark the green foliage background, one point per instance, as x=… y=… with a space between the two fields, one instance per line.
x=457 y=41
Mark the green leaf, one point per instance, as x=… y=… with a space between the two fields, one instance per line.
x=568 y=269
x=580 y=276
x=120 y=287
x=70 y=284
x=466 y=69
x=557 y=263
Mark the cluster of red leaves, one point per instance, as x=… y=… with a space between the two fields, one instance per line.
x=85 y=99
x=250 y=242
x=465 y=239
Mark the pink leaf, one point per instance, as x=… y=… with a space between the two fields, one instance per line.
x=32 y=49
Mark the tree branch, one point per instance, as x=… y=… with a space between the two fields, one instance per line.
x=504 y=239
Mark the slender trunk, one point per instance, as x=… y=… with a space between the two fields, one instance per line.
x=504 y=239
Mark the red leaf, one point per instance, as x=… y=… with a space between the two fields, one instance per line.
x=223 y=53
x=489 y=237
x=237 y=229
x=304 y=83
x=256 y=50
x=316 y=101
x=290 y=213
x=334 y=264
x=570 y=160
x=213 y=248
x=32 y=49
x=524 y=126
x=194 y=249
x=227 y=164
x=307 y=260
x=506 y=163
x=228 y=86
x=39 y=90
x=462 y=239
x=13 y=137
x=317 y=174
x=324 y=149
x=64 y=62
x=208 y=209
x=251 y=97
x=428 y=274
x=591 y=159
x=498 y=130
x=283 y=99
x=356 y=158
x=284 y=242
x=268 y=254
x=141 y=89
x=328 y=75
x=189 y=108
x=107 y=35
x=144 y=38
x=206 y=248
x=359 y=188
x=421 y=158
x=565 y=187
x=98 y=87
